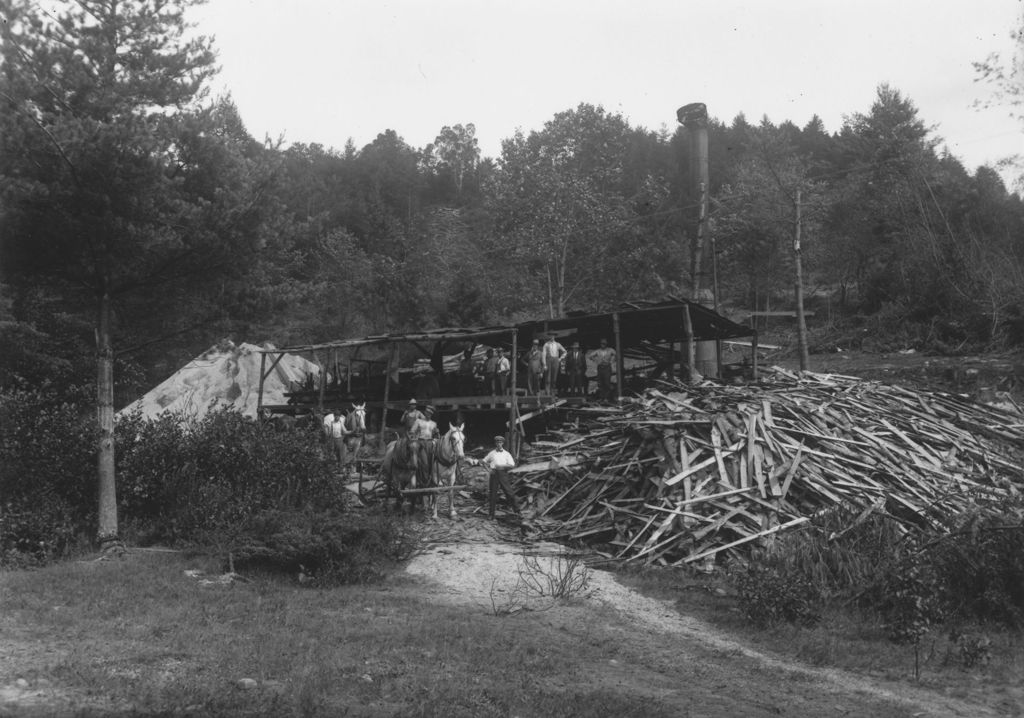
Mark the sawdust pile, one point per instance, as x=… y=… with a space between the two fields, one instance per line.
x=225 y=375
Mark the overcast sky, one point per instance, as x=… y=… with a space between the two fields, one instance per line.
x=329 y=70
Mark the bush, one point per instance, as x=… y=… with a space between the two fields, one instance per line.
x=980 y=566
x=770 y=594
x=47 y=477
x=970 y=570
x=321 y=548
x=179 y=478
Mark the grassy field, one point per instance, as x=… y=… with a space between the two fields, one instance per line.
x=140 y=637
x=856 y=643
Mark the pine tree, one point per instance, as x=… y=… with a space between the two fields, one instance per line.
x=119 y=183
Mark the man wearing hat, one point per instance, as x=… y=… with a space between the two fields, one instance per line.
x=534 y=368
x=498 y=462
x=554 y=353
x=411 y=416
x=576 y=368
x=604 y=357
x=424 y=434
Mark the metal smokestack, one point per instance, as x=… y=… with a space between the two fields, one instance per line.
x=694 y=117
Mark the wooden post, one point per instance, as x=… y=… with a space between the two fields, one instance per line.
x=259 y=394
x=801 y=324
x=618 y=356
x=513 y=428
x=753 y=356
x=691 y=345
x=323 y=382
x=387 y=387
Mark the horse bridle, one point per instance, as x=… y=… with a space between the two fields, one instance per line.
x=451 y=433
x=355 y=411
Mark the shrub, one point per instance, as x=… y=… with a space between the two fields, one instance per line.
x=980 y=566
x=47 y=470
x=770 y=594
x=321 y=548
x=181 y=478
x=971 y=569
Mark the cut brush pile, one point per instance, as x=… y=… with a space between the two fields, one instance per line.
x=686 y=473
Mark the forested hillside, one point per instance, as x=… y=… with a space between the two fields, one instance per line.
x=131 y=196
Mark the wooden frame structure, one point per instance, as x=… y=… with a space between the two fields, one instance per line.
x=644 y=334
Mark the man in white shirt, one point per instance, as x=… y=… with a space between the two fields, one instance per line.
x=339 y=447
x=498 y=462
x=328 y=420
x=554 y=353
x=502 y=369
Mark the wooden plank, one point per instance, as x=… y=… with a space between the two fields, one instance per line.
x=746 y=539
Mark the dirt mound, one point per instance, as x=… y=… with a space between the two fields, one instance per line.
x=225 y=375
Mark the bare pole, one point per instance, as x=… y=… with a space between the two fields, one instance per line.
x=691 y=345
x=618 y=357
x=323 y=382
x=801 y=323
x=259 y=392
x=387 y=386
x=513 y=405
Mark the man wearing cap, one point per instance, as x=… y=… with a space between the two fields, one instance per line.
x=554 y=353
x=604 y=358
x=498 y=462
x=534 y=367
x=576 y=368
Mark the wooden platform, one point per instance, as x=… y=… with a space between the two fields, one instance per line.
x=447 y=403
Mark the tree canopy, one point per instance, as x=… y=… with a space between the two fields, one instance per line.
x=139 y=216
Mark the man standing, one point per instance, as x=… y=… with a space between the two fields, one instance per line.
x=604 y=358
x=576 y=368
x=490 y=371
x=554 y=353
x=411 y=416
x=339 y=447
x=501 y=371
x=425 y=433
x=534 y=368
x=466 y=385
x=498 y=462
x=328 y=420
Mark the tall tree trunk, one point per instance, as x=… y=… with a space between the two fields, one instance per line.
x=107 y=535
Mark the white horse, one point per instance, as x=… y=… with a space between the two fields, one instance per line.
x=355 y=431
x=444 y=468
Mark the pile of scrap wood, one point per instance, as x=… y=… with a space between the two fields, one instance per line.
x=686 y=473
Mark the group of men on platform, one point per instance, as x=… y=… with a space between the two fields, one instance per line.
x=544 y=364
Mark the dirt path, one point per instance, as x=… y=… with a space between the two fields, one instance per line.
x=477 y=564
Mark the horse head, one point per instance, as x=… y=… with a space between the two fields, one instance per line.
x=355 y=420
x=453 y=443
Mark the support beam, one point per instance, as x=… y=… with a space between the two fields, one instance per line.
x=691 y=345
x=259 y=394
x=513 y=404
x=753 y=356
x=323 y=382
x=387 y=387
x=618 y=356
